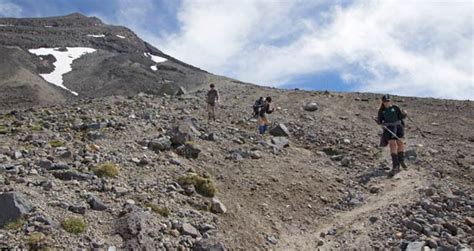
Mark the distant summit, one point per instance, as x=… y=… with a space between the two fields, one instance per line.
x=121 y=63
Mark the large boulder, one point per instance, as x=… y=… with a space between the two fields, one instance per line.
x=160 y=144
x=280 y=130
x=186 y=131
x=137 y=228
x=13 y=205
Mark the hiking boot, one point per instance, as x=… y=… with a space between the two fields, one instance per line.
x=393 y=172
x=396 y=166
x=401 y=160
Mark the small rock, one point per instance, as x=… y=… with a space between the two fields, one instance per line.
x=272 y=239
x=413 y=225
x=469 y=221
x=79 y=208
x=96 y=203
x=281 y=142
x=188 y=229
x=45 y=164
x=451 y=228
x=218 y=207
x=209 y=244
x=120 y=190
x=311 y=107
x=415 y=246
x=255 y=154
x=188 y=150
x=345 y=162
x=373 y=219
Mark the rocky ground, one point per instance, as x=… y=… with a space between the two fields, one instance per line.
x=151 y=172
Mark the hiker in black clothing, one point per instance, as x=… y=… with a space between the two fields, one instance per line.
x=392 y=117
x=262 y=117
x=212 y=101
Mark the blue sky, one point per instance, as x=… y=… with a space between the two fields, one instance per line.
x=406 y=47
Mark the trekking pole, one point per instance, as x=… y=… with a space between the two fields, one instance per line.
x=417 y=127
x=386 y=128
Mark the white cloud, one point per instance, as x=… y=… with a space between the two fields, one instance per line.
x=8 y=9
x=421 y=48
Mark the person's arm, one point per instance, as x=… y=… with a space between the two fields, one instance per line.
x=401 y=115
x=380 y=117
x=268 y=109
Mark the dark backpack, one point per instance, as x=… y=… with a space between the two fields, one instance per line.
x=257 y=106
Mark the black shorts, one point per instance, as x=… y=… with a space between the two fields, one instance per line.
x=211 y=103
x=397 y=130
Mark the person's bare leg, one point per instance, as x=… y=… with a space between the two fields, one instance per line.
x=209 y=112
x=214 y=112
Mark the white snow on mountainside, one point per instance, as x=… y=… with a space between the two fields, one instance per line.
x=63 y=62
x=155 y=59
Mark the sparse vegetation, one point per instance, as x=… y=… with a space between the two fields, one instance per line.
x=204 y=186
x=107 y=170
x=163 y=211
x=3 y=129
x=14 y=225
x=74 y=225
x=56 y=143
x=37 y=241
x=36 y=127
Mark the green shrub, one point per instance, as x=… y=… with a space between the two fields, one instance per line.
x=36 y=127
x=163 y=211
x=56 y=143
x=204 y=186
x=37 y=241
x=74 y=225
x=107 y=170
x=3 y=129
x=14 y=225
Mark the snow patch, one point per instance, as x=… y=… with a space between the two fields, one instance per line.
x=48 y=26
x=63 y=62
x=6 y=25
x=120 y=36
x=92 y=35
x=154 y=67
x=154 y=58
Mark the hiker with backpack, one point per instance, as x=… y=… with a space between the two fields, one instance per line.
x=212 y=100
x=256 y=107
x=262 y=111
x=391 y=118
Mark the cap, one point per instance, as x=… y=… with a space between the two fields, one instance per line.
x=386 y=97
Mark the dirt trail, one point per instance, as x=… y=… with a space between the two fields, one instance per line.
x=354 y=225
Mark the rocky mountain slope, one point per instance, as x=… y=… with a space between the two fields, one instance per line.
x=121 y=64
x=150 y=172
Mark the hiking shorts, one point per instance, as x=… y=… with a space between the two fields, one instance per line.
x=397 y=129
x=211 y=103
x=263 y=120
